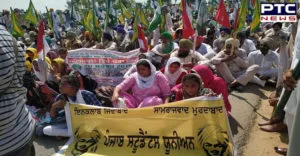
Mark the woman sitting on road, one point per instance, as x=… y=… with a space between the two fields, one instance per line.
x=215 y=83
x=174 y=71
x=69 y=91
x=148 y=87
x=192 y=86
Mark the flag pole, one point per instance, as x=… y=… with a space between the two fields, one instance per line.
x=44 y=56
x=196 y=32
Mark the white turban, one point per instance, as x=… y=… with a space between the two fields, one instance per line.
x=234 y=42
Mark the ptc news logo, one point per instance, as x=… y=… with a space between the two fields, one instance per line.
x=278 y=12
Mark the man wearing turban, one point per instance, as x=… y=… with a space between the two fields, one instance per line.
x=187 y=56
x=219 y=43
x=161 y=52
x=233 y=68
x=72 y=41
x=88 y=41
x=120 y=35
x=276 y=36
x=107 y=42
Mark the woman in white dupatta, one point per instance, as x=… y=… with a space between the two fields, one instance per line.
x=42 y=69
x=174 y=71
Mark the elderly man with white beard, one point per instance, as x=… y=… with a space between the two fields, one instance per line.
x=187 y=56
x=161 y=52
x=219 y=43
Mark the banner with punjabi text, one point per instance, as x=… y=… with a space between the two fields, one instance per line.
x=104 y=66
x=185 y=128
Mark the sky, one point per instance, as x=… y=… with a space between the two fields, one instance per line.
x=38 y=4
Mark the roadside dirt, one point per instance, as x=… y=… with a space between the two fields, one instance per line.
x=260 y=142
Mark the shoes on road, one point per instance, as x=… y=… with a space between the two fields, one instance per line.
x=282 y=151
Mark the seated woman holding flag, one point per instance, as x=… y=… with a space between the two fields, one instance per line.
x=148 y=86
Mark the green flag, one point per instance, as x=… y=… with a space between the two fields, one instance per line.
x=256 y=20
x=242 y=14
x=16 y=31
x=96 y=24
x=202 y=19
x=31 y=14
x=156 y=21
x=49 y=19
x=136 y=23
x=110 y=19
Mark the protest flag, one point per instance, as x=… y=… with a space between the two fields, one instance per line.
x=55 y=21
x=256 y=20
x=110 y=18
x=142 y=40
x=41 y=33
x=135 y=24
x=187 y=30
x=42 y=49
x=16 y=31
x=121 y=19
x=242 y=14
x=222 y=16
x=61 y=18
x=156 y=20
x=202 y=18
x=49 y=19
x=89 y=21
x=31 y=14
x=96 y=23
x=143 y=18
x=42 y=45
x=124 y=11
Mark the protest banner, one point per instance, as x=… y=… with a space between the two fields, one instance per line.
x=104 y=66
x=193 y=127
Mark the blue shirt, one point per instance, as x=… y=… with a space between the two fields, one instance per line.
x=88 y=97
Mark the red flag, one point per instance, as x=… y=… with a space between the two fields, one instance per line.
x=187 y=29
x=253 y=2
x=142 y=40
x=199 y=40
x=222 y=15
x=41 y=33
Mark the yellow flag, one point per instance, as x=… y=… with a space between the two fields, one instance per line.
x=126 y=13
x=143 y=19
x=31 y=14
x=16 y=31
x=121 y=19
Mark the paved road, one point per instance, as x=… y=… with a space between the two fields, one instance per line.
x=244 y=106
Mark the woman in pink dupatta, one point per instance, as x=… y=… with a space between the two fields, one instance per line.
x=215 y=83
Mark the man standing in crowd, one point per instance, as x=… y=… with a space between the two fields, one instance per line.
x=16 y=124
